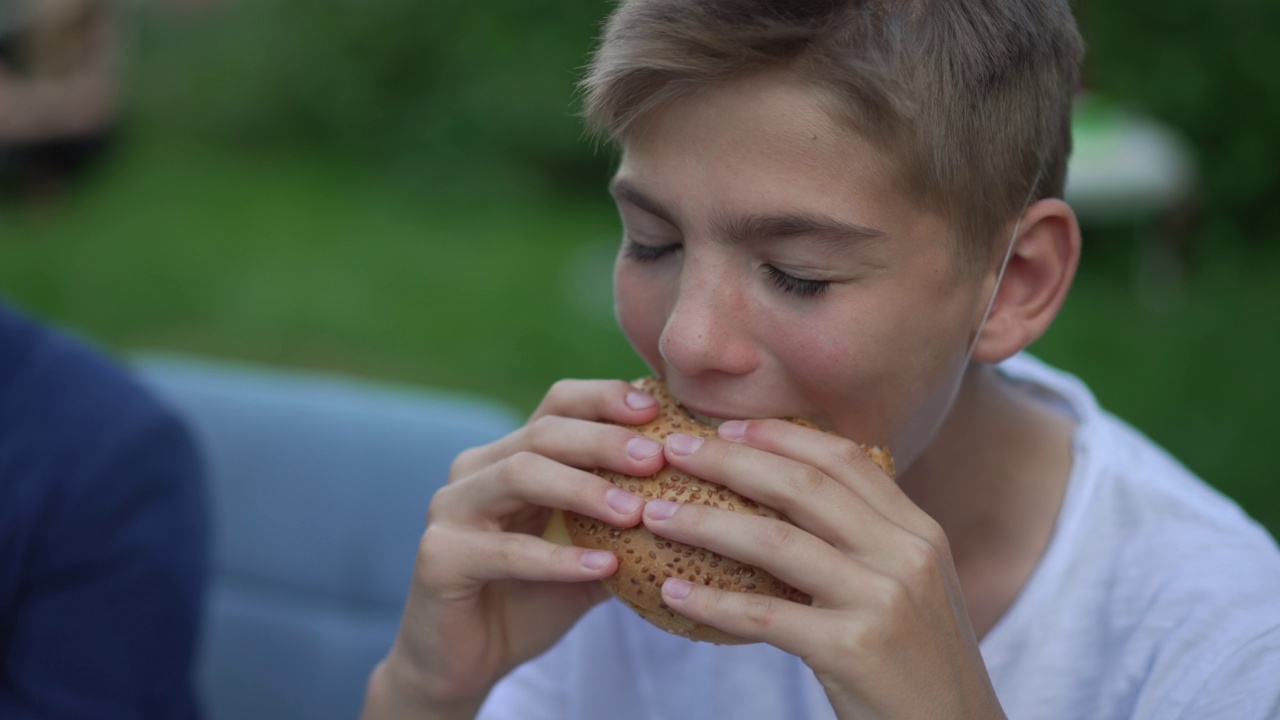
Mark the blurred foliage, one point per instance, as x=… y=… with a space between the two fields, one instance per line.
x=1211 y=70
x=436 y=93
x=450 y=95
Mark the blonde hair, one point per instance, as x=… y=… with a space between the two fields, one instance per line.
x=970 y=98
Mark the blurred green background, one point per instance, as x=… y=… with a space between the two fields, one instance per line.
x=400 y=189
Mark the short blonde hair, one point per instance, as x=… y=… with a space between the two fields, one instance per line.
x=970 y=98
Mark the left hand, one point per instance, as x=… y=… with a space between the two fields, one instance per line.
x=887 y=635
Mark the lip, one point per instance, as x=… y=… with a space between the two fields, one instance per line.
x=714 y=419
x=713 y=414
x=706 y=419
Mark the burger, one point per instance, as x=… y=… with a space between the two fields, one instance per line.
x=646 y=560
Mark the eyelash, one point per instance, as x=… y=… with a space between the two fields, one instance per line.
x=648 y=253
x=794 y=285
x=786 y=283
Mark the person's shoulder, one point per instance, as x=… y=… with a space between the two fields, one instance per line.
x=1157 y=574
x=1166 y=531
x=82 y=442
x=53 y=380
x=77 y=423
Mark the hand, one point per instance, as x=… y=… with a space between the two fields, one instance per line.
x=887 y=634
x=488 y=592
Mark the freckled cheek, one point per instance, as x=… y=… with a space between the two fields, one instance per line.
x=857 y=379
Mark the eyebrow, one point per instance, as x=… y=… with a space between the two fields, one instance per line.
x=760 y=227
x=622 y=190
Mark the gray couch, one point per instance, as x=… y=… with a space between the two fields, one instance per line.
x=319 y=489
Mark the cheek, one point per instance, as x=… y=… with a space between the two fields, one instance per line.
x=923 y=371
x=641 y=313
x=888 y=377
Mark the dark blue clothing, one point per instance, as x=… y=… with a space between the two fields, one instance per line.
x=103 y=537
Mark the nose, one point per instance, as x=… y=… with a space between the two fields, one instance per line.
x=708 y=329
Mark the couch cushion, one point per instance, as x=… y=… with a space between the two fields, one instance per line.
x=320 y=487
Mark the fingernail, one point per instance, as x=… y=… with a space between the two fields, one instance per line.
x=622 y=501
x=676 y=588
x=682 y=444
x=660 y=509
x=596 y=559
x=642 y=448
x=733 y=429
x=637 y=400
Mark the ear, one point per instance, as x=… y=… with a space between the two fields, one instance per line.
x=1036 y=281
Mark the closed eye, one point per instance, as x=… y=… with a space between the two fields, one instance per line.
x=799 y=287
x=647 y=253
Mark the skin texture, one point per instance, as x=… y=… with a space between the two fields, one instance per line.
x=720 y=193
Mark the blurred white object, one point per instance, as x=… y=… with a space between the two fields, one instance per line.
x=1126 y=165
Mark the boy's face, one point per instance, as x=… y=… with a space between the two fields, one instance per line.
x=770 y=269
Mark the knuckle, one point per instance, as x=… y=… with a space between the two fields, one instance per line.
x=559 y=394
x=565 y=392
x=921 y=556
x=505 y=550
x=936 y=537
x=888 y=595
x=518 y=468
x=760 y=611
x=806 y=481
x=434 y=551
x=775 y=535
x=848 y=453
x=565 y=556
x=464 y=464
x=561 y=387
x=540 y=431
x=440 y=503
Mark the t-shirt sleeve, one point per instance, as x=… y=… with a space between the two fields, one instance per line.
x=1244 y=686
x=106 y=627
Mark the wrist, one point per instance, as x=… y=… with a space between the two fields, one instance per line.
x=392 y=693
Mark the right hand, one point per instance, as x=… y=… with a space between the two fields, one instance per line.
x=488 y=592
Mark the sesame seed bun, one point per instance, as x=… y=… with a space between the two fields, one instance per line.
x=646 y=560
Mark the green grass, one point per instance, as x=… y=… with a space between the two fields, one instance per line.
x=302 y=262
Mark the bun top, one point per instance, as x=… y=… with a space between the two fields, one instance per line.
x=646 y=560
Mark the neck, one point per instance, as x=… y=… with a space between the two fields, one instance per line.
x=994 y=478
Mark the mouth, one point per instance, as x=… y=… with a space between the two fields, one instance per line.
x=717 y=420
x=706 y=419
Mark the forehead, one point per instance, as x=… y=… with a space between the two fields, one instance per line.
x=762 y=143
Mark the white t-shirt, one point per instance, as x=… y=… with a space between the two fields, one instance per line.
x=1157 y=598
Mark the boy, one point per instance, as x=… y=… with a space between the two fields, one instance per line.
x=847 y=212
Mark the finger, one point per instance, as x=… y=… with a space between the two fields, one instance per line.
x=583 y=444
x=466 y=557
x=790 y=553
x=808 y=496
x=845 y=461
x=786 y=625
x=610 y=400
x=838 y=457
x=526 y=480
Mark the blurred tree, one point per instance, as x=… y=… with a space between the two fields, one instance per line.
x=1210 y=70
x=450 y=93
x=438 y=93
